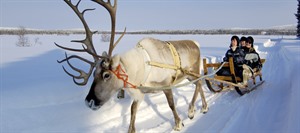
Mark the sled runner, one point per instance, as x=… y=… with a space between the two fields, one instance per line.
x=220 y=83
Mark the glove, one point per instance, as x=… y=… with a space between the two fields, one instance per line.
x=225 y=59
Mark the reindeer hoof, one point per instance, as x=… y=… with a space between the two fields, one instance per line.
x=191 y=112
x=204 y=110
x=179 y=126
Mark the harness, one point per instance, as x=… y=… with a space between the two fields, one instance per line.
x=176 y=60
x=147 y=59
x=121 y=74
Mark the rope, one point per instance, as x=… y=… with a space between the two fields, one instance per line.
x=180 y=85
x=250 y=69
x=121 y=74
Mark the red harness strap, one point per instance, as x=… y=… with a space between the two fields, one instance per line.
x=121 y=74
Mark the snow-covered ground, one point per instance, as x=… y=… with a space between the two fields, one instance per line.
x=37 y=96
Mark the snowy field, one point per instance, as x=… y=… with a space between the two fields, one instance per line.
x=38 y=97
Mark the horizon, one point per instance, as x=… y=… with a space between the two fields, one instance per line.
x=287 y=27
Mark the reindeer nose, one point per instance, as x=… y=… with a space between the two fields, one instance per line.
x=91 y=104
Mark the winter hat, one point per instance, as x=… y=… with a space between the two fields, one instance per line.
x=243 y=38
x=250 y=40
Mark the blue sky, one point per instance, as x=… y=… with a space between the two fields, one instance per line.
x=152 y=14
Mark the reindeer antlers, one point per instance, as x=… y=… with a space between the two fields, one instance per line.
x=112 y=9
x=87 y=43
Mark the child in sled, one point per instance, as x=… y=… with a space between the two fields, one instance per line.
x=251 y=61
x=238 y=58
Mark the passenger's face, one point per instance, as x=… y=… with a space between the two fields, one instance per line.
x=243 y=43
x=248 y=45
x=234 y=42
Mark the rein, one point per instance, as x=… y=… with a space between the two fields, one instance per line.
x=121 y=74
x=183 y=84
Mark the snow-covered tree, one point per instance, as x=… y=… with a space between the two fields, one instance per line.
x=23 y=40
x=298 y=18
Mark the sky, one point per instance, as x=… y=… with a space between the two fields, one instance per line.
x=151 y=14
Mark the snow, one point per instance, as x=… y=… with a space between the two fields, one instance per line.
x=37 y=96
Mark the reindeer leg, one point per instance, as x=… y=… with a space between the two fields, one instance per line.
x=178 y=122
x=191 y=111
x=204 y=103
x=134 y=107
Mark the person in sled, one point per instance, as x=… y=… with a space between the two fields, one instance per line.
x=243 y=42
x=238 y=58
x=252 y=61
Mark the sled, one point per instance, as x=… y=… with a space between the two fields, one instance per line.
x=221 y=83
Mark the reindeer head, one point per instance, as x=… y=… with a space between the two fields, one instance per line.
x=104 y=67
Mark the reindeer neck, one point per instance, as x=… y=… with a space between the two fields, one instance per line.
x=133 y=64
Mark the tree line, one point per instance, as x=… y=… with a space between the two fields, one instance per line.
x=200 y=32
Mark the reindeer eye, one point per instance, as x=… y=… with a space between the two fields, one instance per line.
x=106 y=75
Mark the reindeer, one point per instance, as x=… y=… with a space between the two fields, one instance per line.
x=152 y=63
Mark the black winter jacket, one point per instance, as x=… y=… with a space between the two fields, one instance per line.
x=238 y=56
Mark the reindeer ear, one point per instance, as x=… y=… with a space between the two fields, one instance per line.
x=104 y=54
x=105 y=62
x=115 y=61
